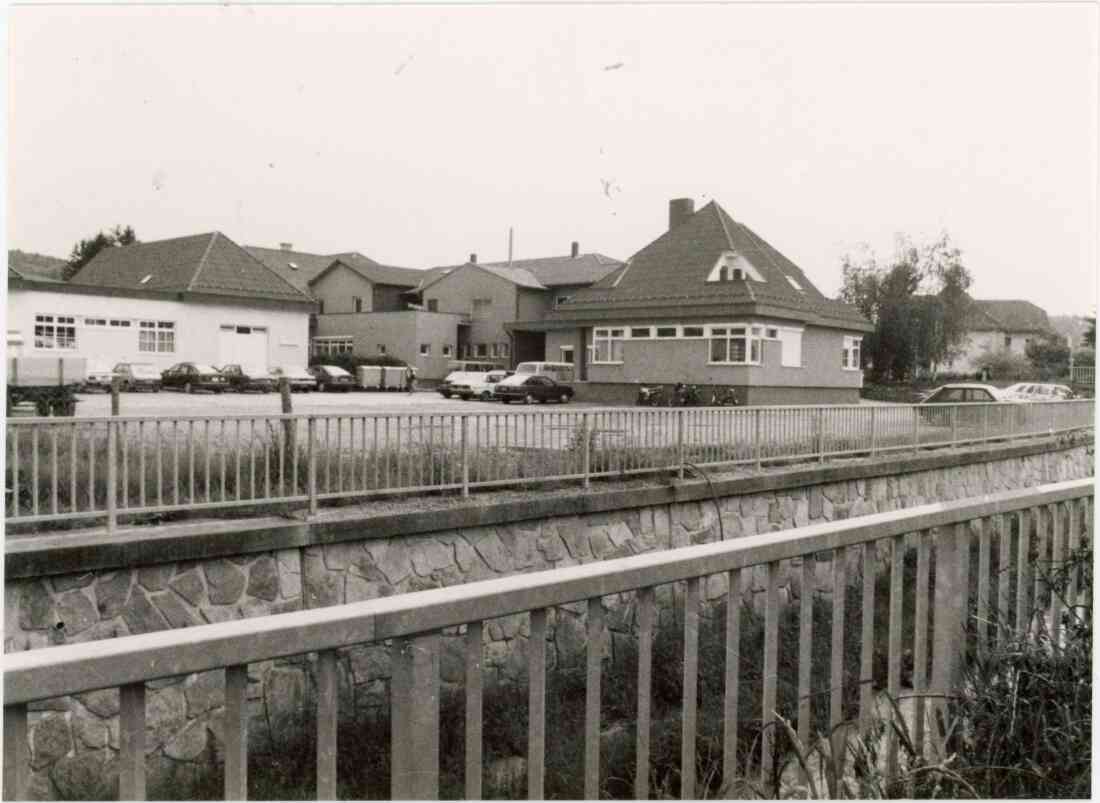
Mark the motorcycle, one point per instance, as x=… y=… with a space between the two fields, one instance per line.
x=686 y=396
x=651 y=396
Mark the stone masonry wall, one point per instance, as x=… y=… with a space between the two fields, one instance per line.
x=74 y=741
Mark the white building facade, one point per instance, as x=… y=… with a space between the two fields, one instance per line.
x=107 y=326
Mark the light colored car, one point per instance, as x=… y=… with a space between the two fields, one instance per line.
x=463 y=378
x=300 y=379
x=1037 y=391
x=480 y=389
x=98 y=376
x=139 y=376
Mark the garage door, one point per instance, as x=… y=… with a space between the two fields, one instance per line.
x=243 y=345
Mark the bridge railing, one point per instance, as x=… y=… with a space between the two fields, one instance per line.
x=1083 y=375
x=62 y=469
x=987 y=556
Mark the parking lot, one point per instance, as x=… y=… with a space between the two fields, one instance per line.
x=174 y=403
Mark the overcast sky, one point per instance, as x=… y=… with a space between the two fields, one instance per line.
x=417 y=135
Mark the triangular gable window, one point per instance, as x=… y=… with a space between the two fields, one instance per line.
x=733 y=267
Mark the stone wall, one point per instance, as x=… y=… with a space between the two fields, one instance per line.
x=74 y=741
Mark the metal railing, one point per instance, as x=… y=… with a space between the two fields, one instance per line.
x=1083 y=375
x=1014 y=536
x=63 y=469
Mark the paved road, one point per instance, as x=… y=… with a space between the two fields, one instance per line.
x=174 y=403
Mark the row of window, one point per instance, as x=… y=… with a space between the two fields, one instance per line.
x=60 y=332
x=330 y=345
x=729 y=344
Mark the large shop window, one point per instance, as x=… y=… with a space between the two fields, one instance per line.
x=849 y=360
x=328 y=346
x=607 y=346
x=54 y=332
x=735 y=345
x=156 y=336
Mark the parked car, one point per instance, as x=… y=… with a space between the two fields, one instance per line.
x=1038 y=391
x=963 y=393
x=532 y=389
x=242 y=379
x=98 y=377
x=139 y=376
x=300 y=378
x=192 y=376
x=332 y=378
x=480 y=388
x=446 y=388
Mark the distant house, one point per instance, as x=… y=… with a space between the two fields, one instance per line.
x=492 y=296
x=709 y=302
x=365 y=308
x=198 y=298
x=994 y=326
x=32 y=265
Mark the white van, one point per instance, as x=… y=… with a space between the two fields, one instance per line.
x=558 y=371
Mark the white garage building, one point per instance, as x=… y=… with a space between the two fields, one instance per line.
x=200 y=299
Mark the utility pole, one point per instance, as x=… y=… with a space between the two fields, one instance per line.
x=509 y=245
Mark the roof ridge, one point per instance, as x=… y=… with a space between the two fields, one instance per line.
x=202 y=261
x=722 y=215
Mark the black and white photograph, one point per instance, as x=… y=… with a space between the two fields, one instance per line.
x=549 y=400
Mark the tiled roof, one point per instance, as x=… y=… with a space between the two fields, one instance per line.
x=377 y=272
x=541 y=273
x=672 y=271
x=30 y=265
x=297 y=267
x=1006 y=316
x=200 y=263
x=565 y=270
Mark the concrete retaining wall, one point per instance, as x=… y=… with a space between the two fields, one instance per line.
x=86 y=587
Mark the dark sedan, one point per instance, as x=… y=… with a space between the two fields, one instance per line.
x=192 y=376
x=533 y=389
x=332 y=377
x=242 y=378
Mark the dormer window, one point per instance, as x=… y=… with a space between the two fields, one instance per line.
x=732 y=266
x=795 y=284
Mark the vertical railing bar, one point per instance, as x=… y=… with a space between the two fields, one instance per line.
x=474 y=739
x=15 y=461
x=175 y=462
x=691 y=685
x=982 y=622
x=645 y=689
x=131 y=725
x=112 y=475
x=1023 y=571
x=867 y=635
x=16 y=748
x=536 y=711
x=805 y=647
x=236 y=733
x=1058 y=562
x=160 y=466
x=1074 y=542
x=73 y=506
x=327 y=718
x=311 y=468
x=893 y=684
x=1004 y=575
x=920 y=634
x=34 y=470
x=221 y=458
x=733 y=675
x=594 y=663
x=252 y=458
x=191 y=461
x=771 y=665
x=206 y=458
x=836 y=665
x=1040 y=566
x=53 y=469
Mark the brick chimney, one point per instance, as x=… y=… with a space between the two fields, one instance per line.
x=286 y=246
x=576 y=249
x=679 y=210
x=473 y=258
